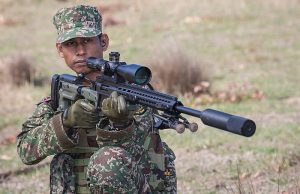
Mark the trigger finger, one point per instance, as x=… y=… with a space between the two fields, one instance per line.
x=87 y=106
x=114 y=94
x=106 y=103
x=114 y=102
x=121 y=104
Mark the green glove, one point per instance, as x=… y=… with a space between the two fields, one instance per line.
x=117 y=110
x=81 y=114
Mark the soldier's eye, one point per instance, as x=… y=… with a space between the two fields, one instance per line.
x=86 y=40
x=69 y=44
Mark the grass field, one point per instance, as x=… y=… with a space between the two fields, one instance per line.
x=241 y=43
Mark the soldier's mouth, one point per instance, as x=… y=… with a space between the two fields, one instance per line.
x=81 y=61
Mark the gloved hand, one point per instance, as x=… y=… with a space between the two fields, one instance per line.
x=117 y=110
x=81 y=114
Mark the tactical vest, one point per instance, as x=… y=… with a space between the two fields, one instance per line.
x=81 y=155
x=87 y=146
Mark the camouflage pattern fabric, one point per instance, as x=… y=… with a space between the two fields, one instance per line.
x=170 y=172
x=113 y=168
x=77 y=21
x=159 y=166
x=147 y=162
x=39 y=138
x=62 y=177
x=158 y=162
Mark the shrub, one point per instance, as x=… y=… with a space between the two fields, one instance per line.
x=108 y=10
x=177 y=73
x=18 y=70
x=21 y=70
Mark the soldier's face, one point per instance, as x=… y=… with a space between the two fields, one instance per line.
x=77 y=50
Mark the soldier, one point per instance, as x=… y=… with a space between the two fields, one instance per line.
x=111 y=151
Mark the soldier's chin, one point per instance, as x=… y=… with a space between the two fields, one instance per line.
x=83 y=70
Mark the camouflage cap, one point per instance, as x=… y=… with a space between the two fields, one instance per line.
x=77 y=21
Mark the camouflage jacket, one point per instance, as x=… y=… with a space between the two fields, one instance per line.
x=43 y=135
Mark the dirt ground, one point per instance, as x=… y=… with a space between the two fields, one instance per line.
x=216 y=180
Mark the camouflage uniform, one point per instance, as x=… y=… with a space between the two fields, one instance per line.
x=101 y=160
x=78 y=21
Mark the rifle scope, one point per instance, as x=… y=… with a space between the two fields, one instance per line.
x=132 y=73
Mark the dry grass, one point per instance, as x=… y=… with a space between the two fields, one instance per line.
x=16 y=101
x=19 y=77
x=108 y=11
x=19 y=70
x=280 y=171
x=8 y=21
x=175 y=72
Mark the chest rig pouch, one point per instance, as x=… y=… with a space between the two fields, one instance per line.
x=81 y=155
x=157 y=178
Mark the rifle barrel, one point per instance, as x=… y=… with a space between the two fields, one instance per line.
x=221 y=120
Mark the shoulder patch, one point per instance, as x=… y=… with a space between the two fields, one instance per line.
x=141 y=110
x=45 y=100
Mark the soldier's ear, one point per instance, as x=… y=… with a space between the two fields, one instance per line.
x=104 y=41
x=59 y=50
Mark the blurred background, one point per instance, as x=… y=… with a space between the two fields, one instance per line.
x=240 y=57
